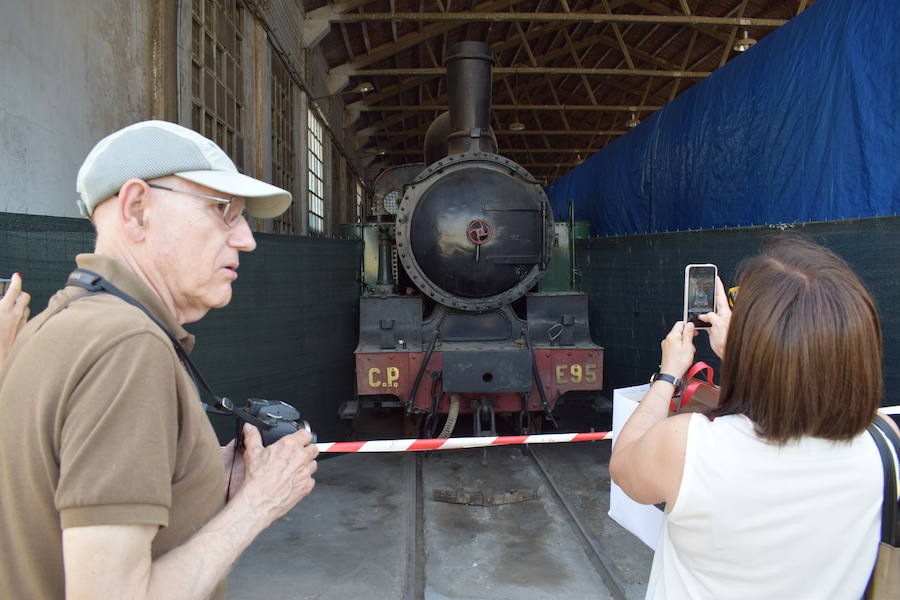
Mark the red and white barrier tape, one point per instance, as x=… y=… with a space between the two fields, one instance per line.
x=481 y=442
x=458 y=443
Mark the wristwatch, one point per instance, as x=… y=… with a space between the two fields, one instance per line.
x=668 y=378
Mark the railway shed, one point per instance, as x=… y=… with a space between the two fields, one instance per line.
x=667 y=131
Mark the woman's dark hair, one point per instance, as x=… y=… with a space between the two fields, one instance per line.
x=803 y=355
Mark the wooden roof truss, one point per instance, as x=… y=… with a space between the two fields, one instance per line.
x=576 y=73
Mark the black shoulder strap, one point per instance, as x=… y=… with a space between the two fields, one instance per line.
x=881 y=432
x=95 y=283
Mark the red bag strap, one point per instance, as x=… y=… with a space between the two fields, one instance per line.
x=691 y=386
x=700 y=366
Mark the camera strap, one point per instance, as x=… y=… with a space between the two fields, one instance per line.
x=95 y=283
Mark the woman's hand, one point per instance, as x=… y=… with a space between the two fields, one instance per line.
x=678 y=350
x=718 y=321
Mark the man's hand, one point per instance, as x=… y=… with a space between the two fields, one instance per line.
x=14 y=313
x=719 y=321
x=234 y=469
x=115 y=561
x=275 y=477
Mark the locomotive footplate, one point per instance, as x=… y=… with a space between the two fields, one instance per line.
x=561 y=370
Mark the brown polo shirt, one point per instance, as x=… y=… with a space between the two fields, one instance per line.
x=100 y=424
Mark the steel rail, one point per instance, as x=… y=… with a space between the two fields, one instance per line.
x=414 y=586
x=609 y=572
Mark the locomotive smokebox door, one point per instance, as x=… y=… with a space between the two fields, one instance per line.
x=474 y=231
x=487 y=371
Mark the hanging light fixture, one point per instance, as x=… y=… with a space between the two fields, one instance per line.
x=363 y=88
x=517 y=125
x=374 y=152
x=744 y=44
x=632 y=121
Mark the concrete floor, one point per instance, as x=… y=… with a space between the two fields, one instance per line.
x=506 y=552
x=349 y=538
x=581 y=471
x=345 y=540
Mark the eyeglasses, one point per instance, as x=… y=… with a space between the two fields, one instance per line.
x=732 y=295
x=231 y=209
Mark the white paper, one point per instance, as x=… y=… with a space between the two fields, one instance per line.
x=643 y=520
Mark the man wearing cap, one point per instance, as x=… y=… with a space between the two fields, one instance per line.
x=112 y=478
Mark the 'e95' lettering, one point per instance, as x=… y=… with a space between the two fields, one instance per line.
x=391 y=376
x=576 y=373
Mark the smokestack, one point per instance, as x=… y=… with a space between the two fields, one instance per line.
x=469 y=91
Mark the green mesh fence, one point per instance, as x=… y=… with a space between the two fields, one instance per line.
x=290 y=330
x=636 y=283
x=288 y=333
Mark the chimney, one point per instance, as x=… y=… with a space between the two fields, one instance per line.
x=469 y=89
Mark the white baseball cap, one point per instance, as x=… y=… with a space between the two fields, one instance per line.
x=152 y=149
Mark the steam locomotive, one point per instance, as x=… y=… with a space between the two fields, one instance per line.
x=463 y=312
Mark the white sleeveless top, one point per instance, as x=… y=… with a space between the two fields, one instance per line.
x=754 y=520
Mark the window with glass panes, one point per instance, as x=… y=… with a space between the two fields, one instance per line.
x=217 y=82
x=282 y=140
x=316 y=172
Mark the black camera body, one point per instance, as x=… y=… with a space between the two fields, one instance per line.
x=277 y=419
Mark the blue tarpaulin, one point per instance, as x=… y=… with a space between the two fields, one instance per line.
x=802 y=127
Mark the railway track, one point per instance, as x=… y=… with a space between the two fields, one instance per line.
x=428 y=518
x=525 y=525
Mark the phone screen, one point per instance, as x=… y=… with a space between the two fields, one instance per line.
x=700 y=293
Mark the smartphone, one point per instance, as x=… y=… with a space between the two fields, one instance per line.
x=699 y=293
x=4 y=285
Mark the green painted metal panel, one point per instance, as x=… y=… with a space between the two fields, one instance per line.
x=582 y=230
x=558 y=277
x=368 y=233
x=351 y=231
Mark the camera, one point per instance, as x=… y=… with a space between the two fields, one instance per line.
x=277 y=419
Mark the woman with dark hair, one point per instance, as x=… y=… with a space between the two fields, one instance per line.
x=777 y=492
